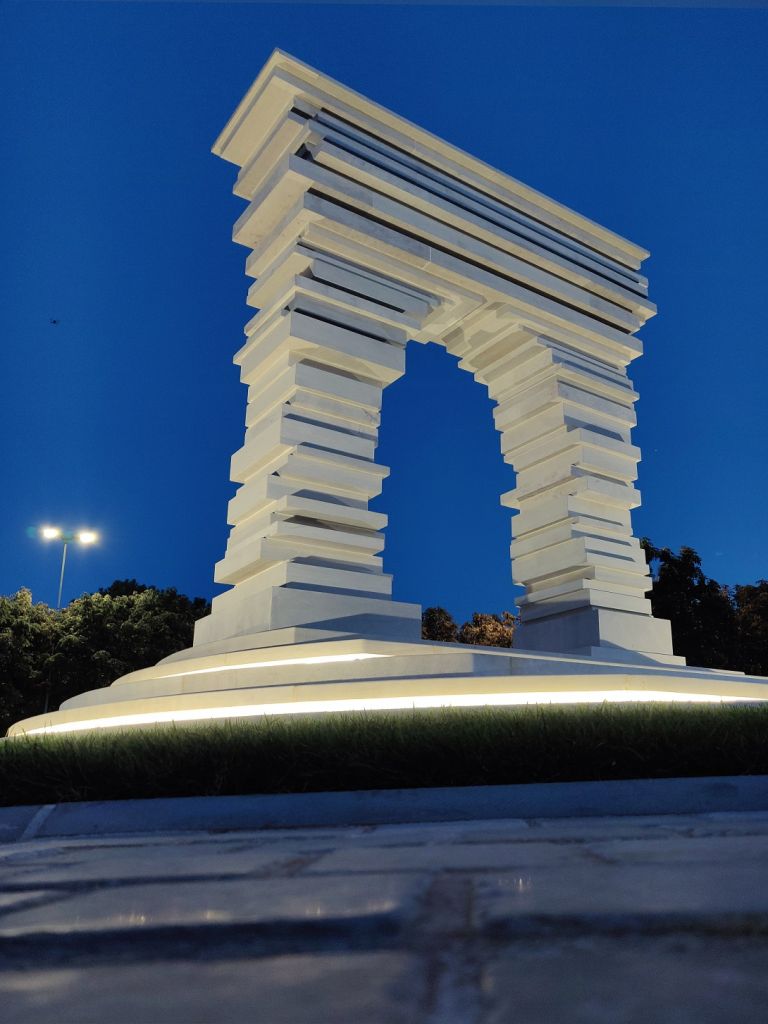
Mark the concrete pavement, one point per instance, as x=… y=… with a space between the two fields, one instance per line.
x=631 y=918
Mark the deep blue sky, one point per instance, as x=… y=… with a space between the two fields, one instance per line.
x=117 y=222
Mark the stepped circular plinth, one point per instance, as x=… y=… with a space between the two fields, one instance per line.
x=300 y=672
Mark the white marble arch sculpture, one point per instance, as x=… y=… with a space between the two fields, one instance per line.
x=366 y=232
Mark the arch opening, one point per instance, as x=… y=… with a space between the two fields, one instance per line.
x=448 y=537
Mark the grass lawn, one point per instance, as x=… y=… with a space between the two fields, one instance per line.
x=380 y=750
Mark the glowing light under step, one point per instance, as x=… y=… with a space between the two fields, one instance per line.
x=320 y=659
x=463 y=700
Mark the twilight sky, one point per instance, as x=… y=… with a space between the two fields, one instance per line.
x=117 y=224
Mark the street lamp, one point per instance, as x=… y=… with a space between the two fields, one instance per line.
x=67 y=537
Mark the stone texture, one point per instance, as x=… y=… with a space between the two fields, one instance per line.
x=224 y=901
x=616 y=920
x=688 y=851
x=604 y=890
x=136 y=862
x=456 y=856
x=679 y=979
x=350 y=988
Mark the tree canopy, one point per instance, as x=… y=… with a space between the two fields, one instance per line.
x=701 y=610
x=486 y=629
x=47 y=656
x=751 y=605
x=438 y=624
x=713 y=625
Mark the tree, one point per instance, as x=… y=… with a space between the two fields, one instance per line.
x=125 y=627
x=27 y=643
x=124 y=588
x=438 y=624
x=703 y=617
x=751 y=603
x=47 y=656
x=489 y=630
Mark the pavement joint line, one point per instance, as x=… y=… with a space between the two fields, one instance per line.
x=447 y=935
x=446 y=950
x=37 y=821
x=204 y=941
x=627 y=923
x=78 y=887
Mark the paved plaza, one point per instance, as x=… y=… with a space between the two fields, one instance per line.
x=604 y=919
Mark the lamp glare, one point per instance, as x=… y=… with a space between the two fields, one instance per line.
x=50 y=532
x=87 y=536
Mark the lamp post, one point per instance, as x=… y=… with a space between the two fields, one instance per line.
x=67 y=537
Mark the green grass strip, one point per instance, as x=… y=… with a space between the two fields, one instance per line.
x=379 y=750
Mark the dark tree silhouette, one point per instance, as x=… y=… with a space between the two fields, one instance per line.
x=489 y=630
x=438 y=624
x=752 y=625
x=47 y=656
x=701 y=610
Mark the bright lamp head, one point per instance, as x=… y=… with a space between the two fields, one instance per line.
x=87 y=536
x=50 y=532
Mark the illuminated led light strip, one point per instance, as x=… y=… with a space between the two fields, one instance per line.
x=320 y=659
x=461 y=700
